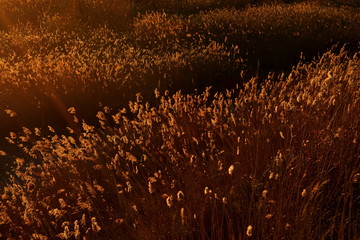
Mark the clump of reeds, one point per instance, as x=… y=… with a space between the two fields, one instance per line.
x=275 y=160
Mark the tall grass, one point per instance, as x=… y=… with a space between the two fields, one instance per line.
x=95 y=68
x=65 y=14
x=278 y=160
x=95 y=153
x=275 y=35
x=51 y=67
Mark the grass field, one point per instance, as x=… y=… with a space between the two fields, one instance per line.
x=190 y=119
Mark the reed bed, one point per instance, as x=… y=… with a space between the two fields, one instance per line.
x=276 y=160
x=54 y=64
x=239 y=140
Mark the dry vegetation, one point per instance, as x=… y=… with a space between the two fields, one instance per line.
x=54 y=65
x=279 y=157
x=275 y=157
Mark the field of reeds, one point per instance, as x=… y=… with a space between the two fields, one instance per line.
x=192 y=119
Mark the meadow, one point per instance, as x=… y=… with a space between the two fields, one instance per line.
x=190 y=119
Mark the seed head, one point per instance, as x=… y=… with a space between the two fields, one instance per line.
x=303 y=193
x=231 y=169
x=264 y=193
x=10 y=112
x=249 y=231
x=180 y=196
x=94 y=225
x=169 y=201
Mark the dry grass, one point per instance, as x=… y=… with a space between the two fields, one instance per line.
x=94 y=68
x=274 y=35
x=273 y=158
x=65 y=14
x=278 y=160
x=51 y=66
